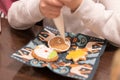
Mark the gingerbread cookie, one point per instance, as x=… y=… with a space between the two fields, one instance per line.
x=41 y=52
x=78 y=54
x=59 y=44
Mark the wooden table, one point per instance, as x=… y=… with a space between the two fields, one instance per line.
x=10 y=69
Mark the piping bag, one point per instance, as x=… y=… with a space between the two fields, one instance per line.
x=59 y=23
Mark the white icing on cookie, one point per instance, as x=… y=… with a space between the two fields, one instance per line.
x=43 y=51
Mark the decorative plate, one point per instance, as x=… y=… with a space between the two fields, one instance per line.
x=82 y=69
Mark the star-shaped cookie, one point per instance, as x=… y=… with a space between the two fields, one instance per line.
x=78 y=54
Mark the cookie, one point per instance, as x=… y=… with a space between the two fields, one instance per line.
x=76 y=55
x=41 y=52
x=59 y=44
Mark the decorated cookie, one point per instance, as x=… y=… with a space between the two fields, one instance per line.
x=78 y=54
x=41 y=52
x=59 y=44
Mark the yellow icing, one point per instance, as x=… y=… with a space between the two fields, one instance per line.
x=77 y=54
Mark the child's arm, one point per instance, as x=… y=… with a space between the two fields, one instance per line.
x=102 y=19
x=24 y=13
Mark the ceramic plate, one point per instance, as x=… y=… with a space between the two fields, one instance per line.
x=83 y=70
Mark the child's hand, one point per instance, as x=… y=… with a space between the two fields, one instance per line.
x=72 y=4
x=50 y=8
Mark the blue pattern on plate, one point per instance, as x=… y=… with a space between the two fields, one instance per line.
x=63 y=66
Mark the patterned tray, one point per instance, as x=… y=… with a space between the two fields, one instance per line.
x=83 y=70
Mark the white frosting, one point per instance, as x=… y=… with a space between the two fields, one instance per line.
x=43 y=51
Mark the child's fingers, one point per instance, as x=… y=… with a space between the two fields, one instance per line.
x=65 y=1
x=55 y=3
x=50 y=8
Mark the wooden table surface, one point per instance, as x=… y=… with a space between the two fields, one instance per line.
x=12 y=40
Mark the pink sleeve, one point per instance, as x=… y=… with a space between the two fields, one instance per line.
x=5 y=5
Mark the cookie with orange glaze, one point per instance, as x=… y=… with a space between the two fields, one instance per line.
x=59 y=44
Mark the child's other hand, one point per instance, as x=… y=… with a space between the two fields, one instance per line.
x=72 y=4
x=50 y=8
